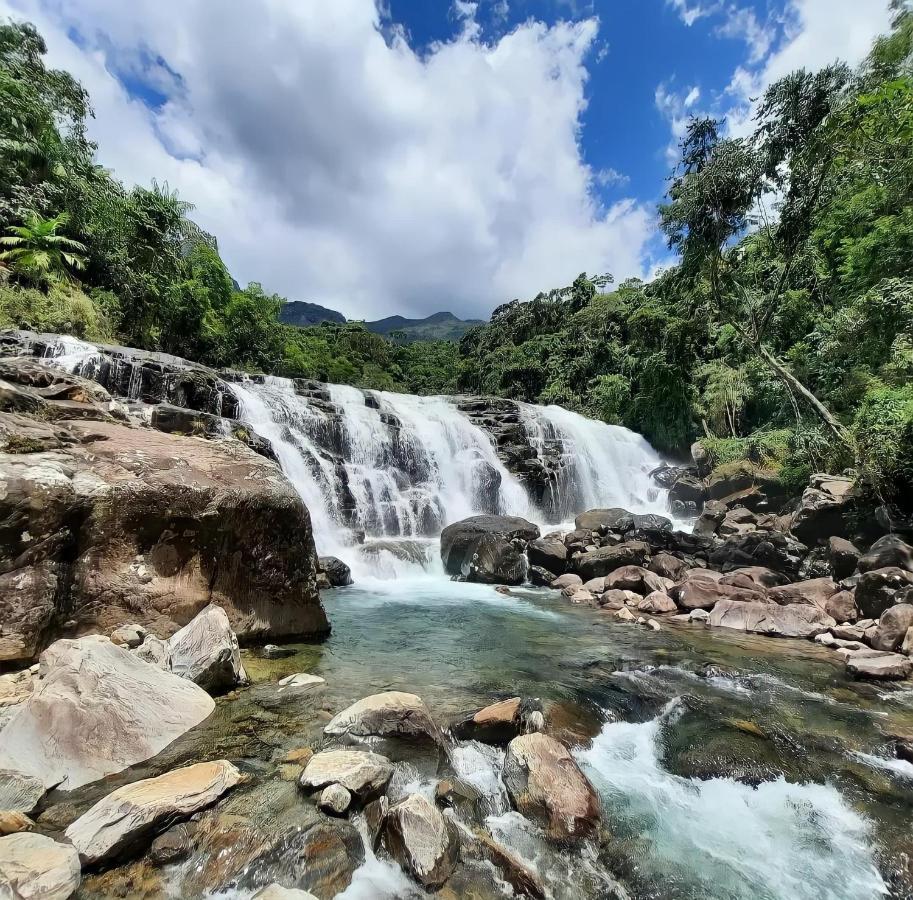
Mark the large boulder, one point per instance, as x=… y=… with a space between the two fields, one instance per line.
x=823 y=509
x=700 y=592
x=892 y=627
x=814 y=592
x=688 y=489
x=334 y=570
x=656 y=603
x=889 y=551
x=633 y=578
x=421 y=840
x=795 y=620
x=602 y=521
x=390 y=714
x=34 y=867
x=548 y=553
x=880 y=589
x=878 y=666
x=89 y=688
x=487 y=549
x=127 y=818
x=360 y=772
x=842 y=606
x=760 y=548
x=545 y=784
x=711 y=517
x=605 y=560
x=667 y=566
x=206 y=652
x=843 y=556
x=122 y=525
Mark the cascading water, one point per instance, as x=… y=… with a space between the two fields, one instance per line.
x=395 y=468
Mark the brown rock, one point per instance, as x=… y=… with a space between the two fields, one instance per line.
x=842 y=607
x=634 y=578
x=892 y=627
x=12 y=822
x=657 y=602
x=421 y=840
x=495 y=724
x=815 y=592
x=667 y=566
x=794 y=620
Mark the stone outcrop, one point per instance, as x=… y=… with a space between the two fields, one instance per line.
x=421 y=840
x=122 y=525
x=34 y=867
x=88 y=688
x=487 y=549
x=545 y=783
x=127 y=818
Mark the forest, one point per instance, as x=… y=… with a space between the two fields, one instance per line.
x=783 y=335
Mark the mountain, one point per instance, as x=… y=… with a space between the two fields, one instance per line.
x=441 y=326
x=302 y=314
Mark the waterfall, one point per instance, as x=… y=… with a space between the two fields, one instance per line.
x=385 y=472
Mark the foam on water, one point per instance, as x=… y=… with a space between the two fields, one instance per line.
x=778 y=841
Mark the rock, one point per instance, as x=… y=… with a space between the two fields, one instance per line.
x=495 y=724
x=710 y=519
x=12 y=822
x=657 y=602
x=540 y=577
x=360 y=772
x=702 y=593
x=301 y=680
x=878 y=666
x=726 y=481
x=625 y=615
x=605 y=560
x=91 y=687
x=888 y=552
x=653 y=625
x=649 y=523
x=389 y=714
x=667 y=566
x=892 y=627
x=879 y=589
x=842 y=607
x=337 y=572
x=156 y=652
x=127 y=525
x=634 y=578
x=847 y=632
x=299 y=756
x=566 y=580
x=484 y=549
x=206 y=652
x=172 y=846
x=595 y=585
x=19 y=792
x=815 y=592
x=549 y=553
x=772 y=550
x=688 y=489
x=602 y=521
x=579 y=595
x=699 y=615
x=703 y=461
x=126 y=818
x=129 y=636
x=524 y=880
x=843 y=557
x=795 y=620
x=822 y=510
x=545 y=784
x=421 y=840
x=454 y=793
x=34 y=867
x=334 y=800
x=275 y=891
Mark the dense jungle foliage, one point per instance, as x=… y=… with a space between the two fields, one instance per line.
x=784 y=335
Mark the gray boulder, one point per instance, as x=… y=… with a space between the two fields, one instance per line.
x=880 y=589
x=487 y=549
x=360 y=772
x=878 y=666
x=892 y=627
x=337 y=573
x=795 y=620
x=843 y=556
x=548 y=553
x=888 y=552
x=422 y=841
x=605 y=560
x=390 y=714
x=206 y=652
x=602 y=521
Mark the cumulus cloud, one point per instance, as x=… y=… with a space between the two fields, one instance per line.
x=335 y=163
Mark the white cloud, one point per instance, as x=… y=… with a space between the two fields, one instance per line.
x=610 y=177
x=336 y=164
x=689 y=13
x=742 y=23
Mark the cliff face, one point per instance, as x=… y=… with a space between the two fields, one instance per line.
x=104 y=521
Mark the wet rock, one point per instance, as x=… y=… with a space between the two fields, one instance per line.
x=667 y=566
x=892 y=627
x=625 y=615
x=548 y=553
x=126 y=818
x=91 y=687
x=272 y=651
x=602 y=521
x=843 y=556
x=389 y=714
x=842 y=607
x=656 y=603
x=710 y=519
x=19 y=792
x=34 y=867
x=334 y=800
x=634 y=578
x=172 y=846
x=878 y=666
x=421 y=840
x=360 y=772
x=454 y=793
x=699 y=615
x=887 y=552
x=375 y=814
x=579 y=595
x=879 y=589
x=605 y=560
x=823 y=508
x=815 y=592
x=566 y=580
x=761 y=548
x=301 y=680
x=794 y=620
x=613 y=600
x=487 y=549
x=129 y=636
x=545 y=784
x=495 y=724
x=646 y=524
x=277 y=892
x=688 y=489
x=206 y=652
x=337 y=572
x=524 y=880
x=540 y=577
x=759 y=576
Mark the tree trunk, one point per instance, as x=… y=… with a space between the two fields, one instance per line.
x=794 y=384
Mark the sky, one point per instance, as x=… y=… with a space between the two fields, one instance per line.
x=411 y=156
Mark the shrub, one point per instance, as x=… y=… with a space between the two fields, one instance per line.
x=64 y=309
x=884 y=443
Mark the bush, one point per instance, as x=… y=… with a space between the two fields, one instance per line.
x=884 y=443
x=64 y=309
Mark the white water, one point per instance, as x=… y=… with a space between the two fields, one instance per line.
x=778 y=841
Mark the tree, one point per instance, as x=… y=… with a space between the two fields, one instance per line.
x=39 y=253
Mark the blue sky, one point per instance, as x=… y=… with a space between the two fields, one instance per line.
x=384 y=156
